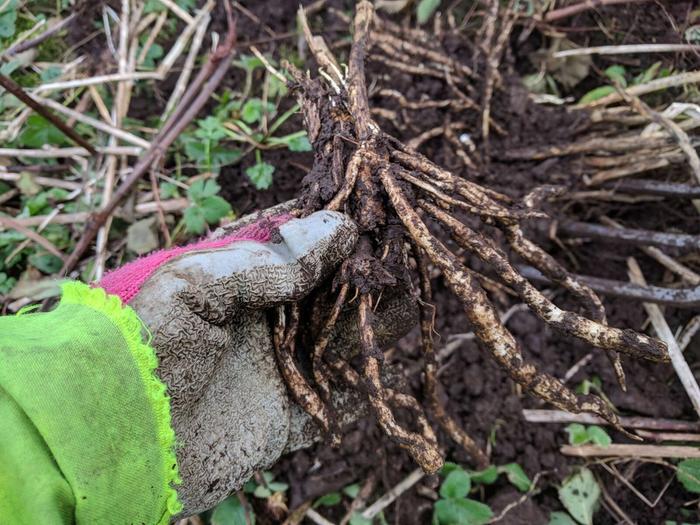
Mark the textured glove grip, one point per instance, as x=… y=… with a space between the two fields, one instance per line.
x=126 y=282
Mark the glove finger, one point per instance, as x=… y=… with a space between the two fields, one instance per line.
x=259 y=275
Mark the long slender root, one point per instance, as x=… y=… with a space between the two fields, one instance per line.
x=424 y=451
x=591 y=332
x=319 y=367
x=484 y=319
x=448 y=424
x=299 y=388
x=549 y=266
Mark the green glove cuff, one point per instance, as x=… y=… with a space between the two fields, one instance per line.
x=85 y=434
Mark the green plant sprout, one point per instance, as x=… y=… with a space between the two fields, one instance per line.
x=617 y=74
x=454 y=507
x=232 y=512
x=206 y=206
x=245 y=120
x=580 y=435
x=580 y=494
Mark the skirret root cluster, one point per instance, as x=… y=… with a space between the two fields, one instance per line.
x=404 y=205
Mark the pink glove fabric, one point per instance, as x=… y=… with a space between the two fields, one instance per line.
x=126 y=281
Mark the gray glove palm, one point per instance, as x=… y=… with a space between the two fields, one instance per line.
x=230 y=410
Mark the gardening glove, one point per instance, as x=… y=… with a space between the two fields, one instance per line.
x=205 y=308
x=87 y=433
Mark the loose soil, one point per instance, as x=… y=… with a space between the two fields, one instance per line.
x=481 y=397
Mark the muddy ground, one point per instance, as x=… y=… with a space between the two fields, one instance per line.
x=480 y=395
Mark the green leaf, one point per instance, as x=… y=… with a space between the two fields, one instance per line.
x=195 y=150
x=210 y=128
x=7 y=69
x=351 y=491
x=486 y=477
x=155 y=6
x=425 y=10
x=516 y=475
x=598 y=436
x=194 y=220
x=688 y=474
x=202 y=188
x=260 y=175
x=230 y=512
x=648 y=74
x=39 y=132
x=276 y=87
x=462 y=512
x=616 y=73
x=154 y=52
x=596 y=94
x=457 y=484
x=328 y=500
x=253 y=110
x=51 y=73
x=222 y=155
x=262 y=492
x=577 y=434
x=214 y=208
x=357 y=519
x=6 y=283
x=8 y=17
x=168 y=190
x=299 y=143
x=449 y=467
x=560 y=518
x=579 y=494
x=277 y=486
x=26 y=184
x=9 y=238
x=248 y=62
x=45 y=262
x=692 y=34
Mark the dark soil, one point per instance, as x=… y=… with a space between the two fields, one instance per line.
x=480 y=395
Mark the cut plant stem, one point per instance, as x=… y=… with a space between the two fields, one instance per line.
x=630 y=451
x=680 y=365
x=648 y=423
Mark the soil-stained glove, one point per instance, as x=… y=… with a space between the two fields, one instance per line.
x=204 y=305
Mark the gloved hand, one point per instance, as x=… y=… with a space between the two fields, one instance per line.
x=204 y=305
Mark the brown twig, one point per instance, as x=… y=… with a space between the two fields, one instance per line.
x=7 y=222
x=679 y=297
x=14 y=88
x=33 y=42
x=571 y=10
